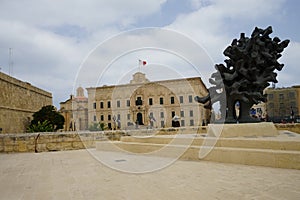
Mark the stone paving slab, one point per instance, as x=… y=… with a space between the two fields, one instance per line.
x=79 y=175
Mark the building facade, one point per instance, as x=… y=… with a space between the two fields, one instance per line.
x=18 y=101
x=75 y=111
x=283 y=103
x=144 y=103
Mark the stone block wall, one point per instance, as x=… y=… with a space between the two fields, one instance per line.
x=57 y=141
x=60 y=141
x=18 y=101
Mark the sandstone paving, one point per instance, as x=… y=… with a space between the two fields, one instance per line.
x=79 y=174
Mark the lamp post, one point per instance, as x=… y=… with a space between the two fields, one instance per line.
x=292 y=114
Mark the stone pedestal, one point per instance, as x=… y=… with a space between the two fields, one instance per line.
x=242 y=130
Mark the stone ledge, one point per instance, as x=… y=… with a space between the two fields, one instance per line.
x=246 y=156
x=48 y=141
x=242 y=130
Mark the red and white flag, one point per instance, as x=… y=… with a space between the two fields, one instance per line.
x=142 y=63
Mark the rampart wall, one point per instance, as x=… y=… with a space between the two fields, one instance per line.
x=18 y=101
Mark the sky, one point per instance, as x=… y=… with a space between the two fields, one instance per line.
x=60 y=45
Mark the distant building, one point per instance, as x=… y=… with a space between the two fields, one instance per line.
x=75 y=111
x=145 y=103
x=283 y=103
x=18 y=101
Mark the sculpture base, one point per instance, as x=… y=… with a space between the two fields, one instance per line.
x=246 y=119
x=267 y=129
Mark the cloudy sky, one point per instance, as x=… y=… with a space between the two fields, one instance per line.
x=53 y=42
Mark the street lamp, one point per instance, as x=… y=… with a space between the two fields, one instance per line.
x=292 y=114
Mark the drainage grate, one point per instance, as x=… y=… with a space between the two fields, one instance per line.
x=120 y=160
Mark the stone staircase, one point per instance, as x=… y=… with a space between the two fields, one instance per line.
x=282 y=151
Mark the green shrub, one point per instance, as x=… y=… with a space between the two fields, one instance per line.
x=97 y=127
x=44 y=126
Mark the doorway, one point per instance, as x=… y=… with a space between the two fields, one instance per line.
x=139 y=119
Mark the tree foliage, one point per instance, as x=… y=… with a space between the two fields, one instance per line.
x=45 y=118
x=44 y=126
x=97 y=127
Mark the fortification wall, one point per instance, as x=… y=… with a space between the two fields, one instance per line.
x=18 y=101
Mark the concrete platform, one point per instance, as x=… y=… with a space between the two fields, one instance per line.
x=78 y=175
x=282 y=151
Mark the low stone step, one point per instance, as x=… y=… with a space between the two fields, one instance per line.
x=248 y=156
x=275 y=143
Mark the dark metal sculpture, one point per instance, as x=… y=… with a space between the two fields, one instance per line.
x=247 y=73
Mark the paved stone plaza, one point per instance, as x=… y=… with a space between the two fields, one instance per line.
x=78 y=175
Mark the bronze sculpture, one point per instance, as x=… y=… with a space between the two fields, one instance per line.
x=247 y=73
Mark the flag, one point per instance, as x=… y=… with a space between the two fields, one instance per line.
x=142 y=62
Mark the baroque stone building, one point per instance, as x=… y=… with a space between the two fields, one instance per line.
x=282 y=102
x=75 y=111
x=145 y=103
x=18 y=101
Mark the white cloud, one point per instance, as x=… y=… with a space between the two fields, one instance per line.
x=90 y=14
x=216 y=23
x=290 y=73
x=51 y=39
x=160 y=47
x=44 y=52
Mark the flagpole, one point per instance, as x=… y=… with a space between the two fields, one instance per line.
x=140 y=68
x=141 y=63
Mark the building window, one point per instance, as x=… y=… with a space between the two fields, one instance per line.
x=94 y=105
x=161 y=100
x=182 y=123
x=95 y=118
x=150 y=101
x=281 y=97
x=109 y=125
x=108 y=104
x=139 y=101
x=173 y=114
x=292 y=95
x=101 y=104
x=293 y=104
x=118 y=104
x=181 y=99
x=270 y=96
x=161 y=114
x=151 y=114
x=281 y=105
x=172 y=100
x=162 y=124
x=190 y=99
x=109 y=117
x=128 y=116
x=191 y=122
x=182 y=113
x=191 y=113
x=102 y=117
x=128 y=103
x=118 y=117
